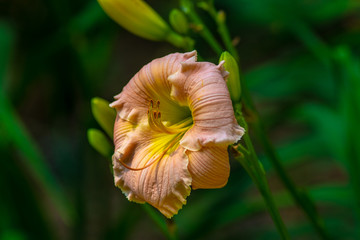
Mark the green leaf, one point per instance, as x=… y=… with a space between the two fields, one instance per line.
x=13 y=131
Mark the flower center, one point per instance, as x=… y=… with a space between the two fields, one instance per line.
x=156 y=123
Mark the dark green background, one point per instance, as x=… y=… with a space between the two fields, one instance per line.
x=301 y=62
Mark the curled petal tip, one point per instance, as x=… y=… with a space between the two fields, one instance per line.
x=220 y=65
x=222 y=70
x=191 y=54
x=187 y=65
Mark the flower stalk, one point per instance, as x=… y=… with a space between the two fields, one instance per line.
x=300 y=197
x=254 y=168
x=220 y=19
x=188 y=8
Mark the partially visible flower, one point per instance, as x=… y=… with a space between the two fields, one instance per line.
x=139 y=18
x=174 y=123
x=233 y=81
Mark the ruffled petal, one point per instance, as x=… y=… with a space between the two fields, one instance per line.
x=202 y=84
x=151 y=83
x=165 y=184
x=209 y=167
x=151 y=166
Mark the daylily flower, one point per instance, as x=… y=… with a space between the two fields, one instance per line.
x=174 y=123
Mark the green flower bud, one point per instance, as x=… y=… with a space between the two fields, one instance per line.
x=103 y=114
x=233 y=81
x=179 y=21
x=99 y=142
x=137 y=17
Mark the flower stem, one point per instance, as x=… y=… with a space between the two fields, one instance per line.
x=256 y=171
x=185 y=43
x=219 y=18
x=171 y=226
x=188 y=8
x=299 y=196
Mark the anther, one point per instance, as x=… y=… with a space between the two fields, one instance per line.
x=151 y=103
x=159 y=115
x=158 y=103
x=155 y=115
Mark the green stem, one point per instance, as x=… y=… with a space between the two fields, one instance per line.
x=171 y=226
x=219 y=18
x=188 y=8
x=300 y=197
x=185 y=43
x=256 y=171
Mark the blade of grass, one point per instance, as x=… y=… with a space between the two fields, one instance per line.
x=15 y=132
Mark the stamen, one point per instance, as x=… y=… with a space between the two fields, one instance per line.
x=155 y=122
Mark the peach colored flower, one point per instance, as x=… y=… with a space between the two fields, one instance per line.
x=174 y=123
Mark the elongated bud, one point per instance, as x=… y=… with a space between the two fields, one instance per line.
x=233 y=81
x=179 y=21
x=103 y=114
x=99 y=142
x=137 y=17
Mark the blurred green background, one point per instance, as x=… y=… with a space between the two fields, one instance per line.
x=299 y=58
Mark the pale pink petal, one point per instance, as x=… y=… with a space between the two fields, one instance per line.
x=202 y=84
x=121 y=128
x=151 y=83
x=165 y=184
x=209 y=167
